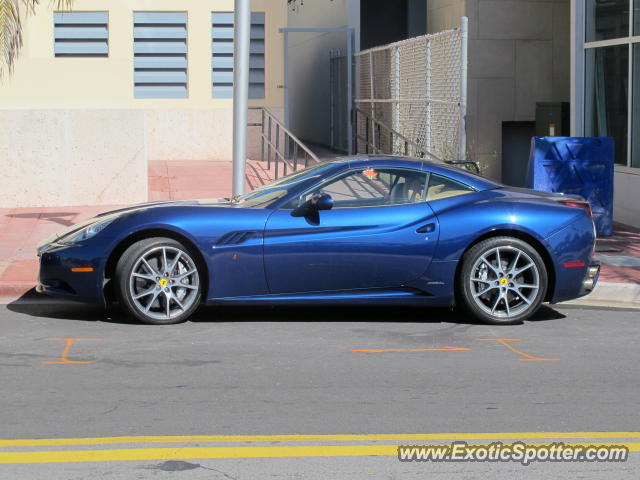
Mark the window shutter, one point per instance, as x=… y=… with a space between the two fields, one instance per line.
x=160 y=54
x=81 y=34
x=222 y=55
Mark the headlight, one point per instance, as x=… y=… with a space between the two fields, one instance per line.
x=88 y=232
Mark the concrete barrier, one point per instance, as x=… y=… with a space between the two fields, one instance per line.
x=72 y=157
x=100 y=157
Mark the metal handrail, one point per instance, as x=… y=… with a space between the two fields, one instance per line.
x=373 y=140
x=288 y=151
x=379 y=125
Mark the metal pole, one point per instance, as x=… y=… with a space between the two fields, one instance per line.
x=366 y=135
x=351 y=47
x=269 y=146
x=332 y=106
x=354 y=133
x=242 y=38
x=427 y=143
x=464 y=36
x=395 y=119
x=630 y=98
x=372 y=84
x=287 y=112
x=277 y=151
x=373 y=136
x=262 y=135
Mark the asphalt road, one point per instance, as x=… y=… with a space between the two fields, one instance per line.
x=321 y=371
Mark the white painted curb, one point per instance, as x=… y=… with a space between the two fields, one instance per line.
x=609 y=294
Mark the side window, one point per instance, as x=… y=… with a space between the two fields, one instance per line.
x=373 y=187
x=443 y=187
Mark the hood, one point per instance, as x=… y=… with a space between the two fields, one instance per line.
x=218 y=202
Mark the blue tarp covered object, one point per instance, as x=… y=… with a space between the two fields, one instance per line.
x=579 y=166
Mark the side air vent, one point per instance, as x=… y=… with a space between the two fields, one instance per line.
x=236 y=238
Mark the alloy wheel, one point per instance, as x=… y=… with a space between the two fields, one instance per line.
x=164 y=283
x=504 y=281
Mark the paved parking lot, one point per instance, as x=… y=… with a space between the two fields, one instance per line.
x=72 y=372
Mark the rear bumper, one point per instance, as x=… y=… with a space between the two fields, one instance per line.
x=576 y=273
x=572 y=283
x=591 y=278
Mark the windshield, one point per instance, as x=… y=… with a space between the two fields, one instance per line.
x=267 y=194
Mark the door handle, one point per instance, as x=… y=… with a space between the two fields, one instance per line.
x=428 y=228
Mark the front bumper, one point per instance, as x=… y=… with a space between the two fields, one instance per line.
x=57 y=278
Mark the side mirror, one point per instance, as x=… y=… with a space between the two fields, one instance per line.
x=325 y=202
x=311 y=207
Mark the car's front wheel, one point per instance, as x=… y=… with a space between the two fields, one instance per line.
x=157 y=281
x=503 y=280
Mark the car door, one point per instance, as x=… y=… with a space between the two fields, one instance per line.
x=380 y=233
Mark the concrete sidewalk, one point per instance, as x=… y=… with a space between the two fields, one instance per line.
x=22 y=229
x=619 y=283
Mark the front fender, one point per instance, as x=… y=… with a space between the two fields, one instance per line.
x=234 y=268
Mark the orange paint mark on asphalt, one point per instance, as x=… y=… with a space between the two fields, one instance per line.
x=64 y=355
x=526 y=356
x=442 y=349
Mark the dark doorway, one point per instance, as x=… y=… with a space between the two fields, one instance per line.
x=384 y=21
x=516 y=146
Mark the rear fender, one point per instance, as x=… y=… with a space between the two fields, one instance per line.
x=572 y=249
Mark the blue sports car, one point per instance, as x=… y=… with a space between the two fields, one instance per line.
x=360 y=230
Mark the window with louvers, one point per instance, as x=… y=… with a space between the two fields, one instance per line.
x=81 y=34
x=222 y=55
x=160 y=54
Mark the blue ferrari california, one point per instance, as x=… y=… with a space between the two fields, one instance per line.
x=360 y=230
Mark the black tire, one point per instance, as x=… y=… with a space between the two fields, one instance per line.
x=489 y=288
x=140 y=281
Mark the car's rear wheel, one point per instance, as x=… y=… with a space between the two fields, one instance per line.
x=157 y=281
x=503 y=280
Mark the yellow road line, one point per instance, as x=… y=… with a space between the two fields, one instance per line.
x=313 y=438
x=190 y=453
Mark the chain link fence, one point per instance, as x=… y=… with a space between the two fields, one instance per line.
x=411 y=96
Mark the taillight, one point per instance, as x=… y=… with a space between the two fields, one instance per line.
x=578 y=204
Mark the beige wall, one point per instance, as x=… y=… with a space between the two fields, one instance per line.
x=72 y=131
x=57 y=158
x=42 y=81
x=444 y=14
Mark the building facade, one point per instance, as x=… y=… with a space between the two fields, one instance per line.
x=522 y=53
x=100 y=91
x=605 y=54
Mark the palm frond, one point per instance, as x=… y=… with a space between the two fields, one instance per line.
x=63 y=4
x=11 y=16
